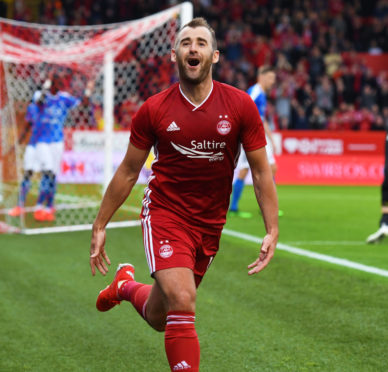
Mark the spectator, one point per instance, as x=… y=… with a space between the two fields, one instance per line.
x=383 y=96
x=368 y=98
x=317 y=66
x=325 y=95
x=317 y=120
x=333 y=61
x=283 y=104
x=385 y=118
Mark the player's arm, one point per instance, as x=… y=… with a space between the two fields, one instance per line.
x=88 y=92
x=268 y=132
x=115 y=195
x=266 y=196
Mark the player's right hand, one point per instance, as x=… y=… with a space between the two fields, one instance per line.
x=98 y=257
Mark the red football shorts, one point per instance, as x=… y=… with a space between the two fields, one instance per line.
x=169 y=243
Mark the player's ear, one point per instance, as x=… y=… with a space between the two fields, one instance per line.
x=173 y=55
x=216 y=56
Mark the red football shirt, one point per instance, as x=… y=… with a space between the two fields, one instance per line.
x=196 y=150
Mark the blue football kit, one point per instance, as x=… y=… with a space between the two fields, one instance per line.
x=53 y=113
x=257 y=94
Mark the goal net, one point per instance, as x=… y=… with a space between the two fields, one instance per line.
x=127 y=62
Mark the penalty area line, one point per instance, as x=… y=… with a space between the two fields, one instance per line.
x=316 y=256
x=85 y=227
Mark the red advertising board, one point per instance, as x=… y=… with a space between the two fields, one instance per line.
x=333 y=170
x=330 y=158
x=332 y=143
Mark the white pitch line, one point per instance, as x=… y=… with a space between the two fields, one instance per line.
x=323 y=242
x=310 y=254
x=85 y=227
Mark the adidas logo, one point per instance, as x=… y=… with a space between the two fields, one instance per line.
x=182 y=365
x=173 y=127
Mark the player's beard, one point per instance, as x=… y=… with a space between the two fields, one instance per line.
x=199 y=77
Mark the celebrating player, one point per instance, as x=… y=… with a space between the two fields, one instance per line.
x=46 y=116
x=266 y=78
x=196 y=127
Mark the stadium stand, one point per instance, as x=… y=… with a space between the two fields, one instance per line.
x=315 y=45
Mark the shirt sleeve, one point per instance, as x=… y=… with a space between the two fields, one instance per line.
x=142 y=134
x=70 y=101
x=252 y=135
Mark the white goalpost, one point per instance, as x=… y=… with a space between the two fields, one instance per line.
x=128 y=62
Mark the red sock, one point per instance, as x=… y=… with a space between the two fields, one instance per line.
x=137 y=294
x=181 y=341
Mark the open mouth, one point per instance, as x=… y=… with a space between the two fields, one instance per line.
x=193 y=62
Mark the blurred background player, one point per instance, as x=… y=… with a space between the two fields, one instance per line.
x=266 y=78
x=46 y=116
x=382 y=232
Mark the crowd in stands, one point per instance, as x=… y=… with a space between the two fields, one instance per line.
x=322 y=83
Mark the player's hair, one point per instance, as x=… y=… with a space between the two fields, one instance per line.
x=199 y=22
x=265 y=69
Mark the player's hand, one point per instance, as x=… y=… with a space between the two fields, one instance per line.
x=98 y=256
x=90 y=84
x=266 y=253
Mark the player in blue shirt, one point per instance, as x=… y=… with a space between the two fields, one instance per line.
x=266 y=79
x=46 y=116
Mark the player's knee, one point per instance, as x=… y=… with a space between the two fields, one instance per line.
x=182 y=300
x=242 y=173
x=274 y=168
x=157 y=324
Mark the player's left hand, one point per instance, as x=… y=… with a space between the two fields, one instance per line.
x=266 y=253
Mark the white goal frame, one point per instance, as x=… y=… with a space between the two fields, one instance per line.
x=126 y=31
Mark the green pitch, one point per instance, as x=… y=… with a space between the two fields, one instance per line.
x=300 y=314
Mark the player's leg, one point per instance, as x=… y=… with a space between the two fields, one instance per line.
x=169 y=304
x=44 y=162
x=52 y=188
x=179 y=288
x=56 y=150
x=50 y=155
x=272 y=162
x=181 y=340
x=45 y=196
x=24 y=188
x=43 y=189
x=382 y=231
x=238 y=187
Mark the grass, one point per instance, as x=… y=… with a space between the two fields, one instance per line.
x=297 y=315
